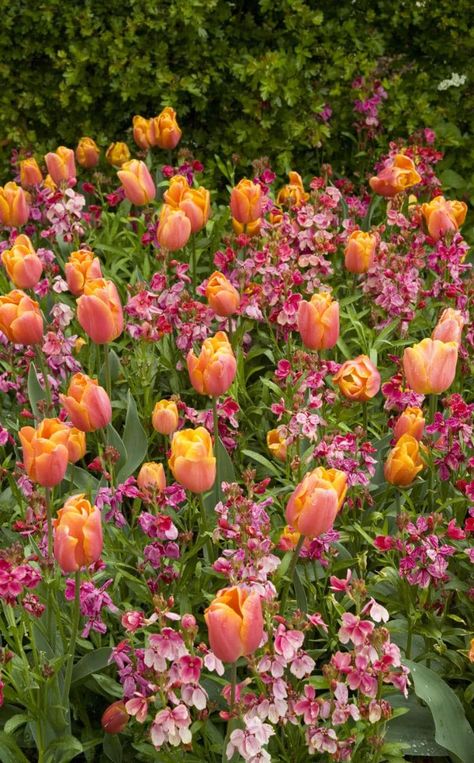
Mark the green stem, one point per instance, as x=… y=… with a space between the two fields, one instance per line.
x=291 y=572
x=44 y=371
x=365 y=416
x=216 y=446
x=74 y=630
x=233 y=683
x=431 y=476
x=108 y=378
x=47 y=500
x=193 y=261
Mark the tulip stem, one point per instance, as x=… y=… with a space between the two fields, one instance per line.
x=193 y=261
x=47 y=500
x=364 y=416
x=74 y=630
x=233 y=684
x=44 y=371
x=431 y=476
x=291 y=571
x=216 y=445
x=108 y=378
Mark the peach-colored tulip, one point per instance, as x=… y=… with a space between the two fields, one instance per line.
x=246 y=202
x=404 y=461
x=20 y=318
x=14 y=209
x=30 y=173
x=49 y=183
x=314 y=504
x=87 y=153
x=358 y=379
x=174 y=228
x=359 y=252
x=81 y=266
x=151 y=476
x=194 y=202
x=293 y=194
x=77 y=534
x=61 y=165
x=137 y=182
x=336 y=478
x=76 y=445
x=411 y=422
x=276 y=444
x=318 y=321
x=235 y=623
x=162 y=131
x=99 y=311
x=214 y=370
x=449 y=327
x=143 y=132
x=165 y=417
x=223 y=298
x=22 y=264
x=117 y=154
x=87 y=403
x=192 y=460
x=45 y=451
x=250 y=229
x=398 y=175
x=174 y=194
x=289 y=539
x=442 y=216
x=430 y=366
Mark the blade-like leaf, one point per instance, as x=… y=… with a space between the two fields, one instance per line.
x=91 y=663
x=134 y=439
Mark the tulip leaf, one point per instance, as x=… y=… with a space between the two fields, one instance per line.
x=114 y=439
x=226 y=474
x=91 y=663
x=64 y=749
x=9 y=750
x=134 y=439
x=414 y=729
x=112 y=747
x=269 y=467
x=35 y=390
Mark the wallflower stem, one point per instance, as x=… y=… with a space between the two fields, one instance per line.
x=75 y=627
x=291 y=571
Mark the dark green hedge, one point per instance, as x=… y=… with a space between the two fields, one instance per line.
x=248 y=76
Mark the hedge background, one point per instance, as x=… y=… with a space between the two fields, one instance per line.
x=248 y=76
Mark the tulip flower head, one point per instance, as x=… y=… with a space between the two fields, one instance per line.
x=411 y=422
x=115 y=718
x=45 y=451
x=430 y=366
x=222 y=297
x=192 y=460
x=276 y=444
x=30 y=173
x=14 y=209
x=214 y=370
x=235 y=623
x=293 y=194
x=151 y=477
x=20 y=318
x=359 y=252
x=246 y=202
x=174 y=228
x=449 y=327
x=161 y=131
x=117 y=154
x=165 y=417
x=314 y=504
x=442 y=216
x=318 y=321
x=358 y=379
x=81 y=266
x=194 y=202
x=404 y=461
x=77 y=534
x=87 y=403
x=137 y=182
x=22 y=264
x=87 y=153
x=398 y=175
x=250 y=229
x=99 y=311
x=61 y=165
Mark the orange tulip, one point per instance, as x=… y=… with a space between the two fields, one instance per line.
x=165 y=417
x=235 y=623
x=174 y=194
x=151 y=477
x=82 y=266
x=411 y=422
x=137 y=182
x=174 y=228
x=449 y=327
x=14 y=209
x=192 y=460
x=250 y=229
x=442 y=216
x=76 y=444
x=223 y=298
x=398 y=175
x=293 y=194
x=318 y=321
x=99 y=311
x=358 y=379
x=77 y=534
x=314 y=504
x=117 y=154
x=30 y=173
x=22 y=264
x=87 y=403
x=404 y=461
x=359 y=252
x=162 y=131
x=194 y=202
x=61 y=165
x=20 y=318
x=246 y=202
x=214 y=370
x=276 y=444
x=288 y=539
x=45 y=451
x=87 y=153
x=430 y=366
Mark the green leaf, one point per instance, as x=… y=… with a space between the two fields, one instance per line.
x=35 y=390
x=91 y=663
x=134 y=439
x=15 y=722
x=452 y=728
x=415 y=728
x=112 y=748
x=9 y=750
x=114 y=439
x=63 y=750
x=226 y=473
x=85 y=481
x=301 y=599
x=269 y=467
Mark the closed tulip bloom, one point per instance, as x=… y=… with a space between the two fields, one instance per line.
x=318 y=321
x=246 y=202
x=334 y=477
x=76 y=445
x=250 y=229
x=358 y=379
x=214 y=370
x=442 y=216
x=194 y=202
x=77 y=534
x=174 y=228
x=22 y=264
x=87 y=153
x=174 y=194
x=81 y=266
x=167 y=133
x=87 y=403
x=449 y=327
x=61 y=165
x=30 y=173
x=151 y=476
x=20 y=318
x=142 y=132
x=45 y=451
x=411 y=422
x=165 y=417
x=117 y=154
x=293 y=194
x=398 y=175
x=276 y=444
x=14 y=209
x=359 y=252
x=234 y=622
x=430 y=366
x=137 y=182
x=192 y=460
x=99 y=311
x=404 y=461
x=222 y=297
x=313 y=506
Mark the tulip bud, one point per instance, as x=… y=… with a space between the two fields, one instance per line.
x=117 y=154
x=235 y=623
x=276 y=444
x=77 y=534
x=192 y=460
x=293 y=194
x=174 y=229
x=20 y=318
x=151 y=476
x=358 y=379
x=115 y=718
x=449 y=327
x=398 y=174
x=430 y=366
x=411 y=422
x=403 y=462
x=167 y=132
x=165 y=417
x=14 y=209
x=61 y=165
x=313 y=506
x=442 y=216
x=223 y=298
x=137 y=182
x=318 y=321
x=196 y=206
x=22 y=264
x=214 y=370
x=87 y=403
x=81 y=266
x=87 y=153
x=45 y=451
x=76 y=445
x=30 y=173
x=246 y=202
x=99 y=311
x=359 y=252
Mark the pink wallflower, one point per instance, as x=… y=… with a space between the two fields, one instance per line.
x=354 y=629
x=171 y=727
